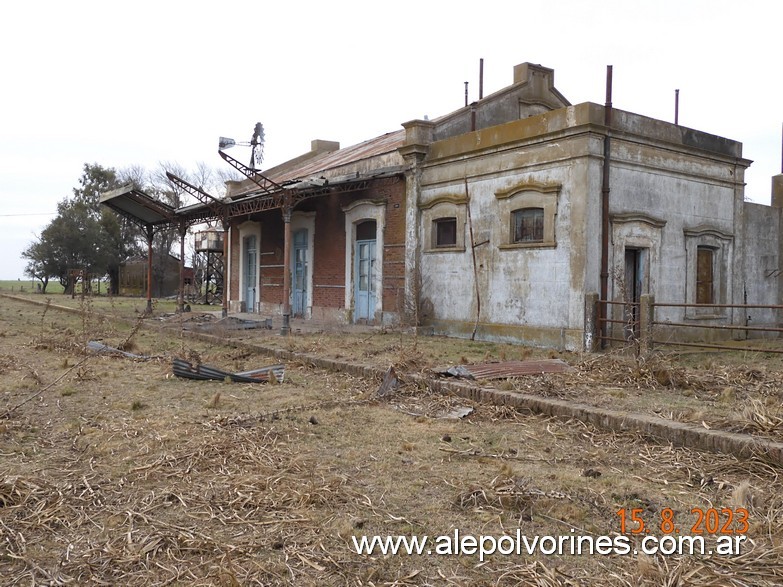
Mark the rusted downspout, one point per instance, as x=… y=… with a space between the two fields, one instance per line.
x=475 y=266
x=602 y=313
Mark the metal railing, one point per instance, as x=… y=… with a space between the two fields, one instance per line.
x=699 y=324
x=642 y=328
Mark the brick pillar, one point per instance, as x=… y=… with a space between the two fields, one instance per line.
x=418 y=136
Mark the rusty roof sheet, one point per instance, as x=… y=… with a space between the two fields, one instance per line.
x=384 y=144
x=508 y=369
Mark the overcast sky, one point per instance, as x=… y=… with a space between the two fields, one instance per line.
x=138 y=83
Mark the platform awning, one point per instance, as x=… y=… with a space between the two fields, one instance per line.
x=138 y=207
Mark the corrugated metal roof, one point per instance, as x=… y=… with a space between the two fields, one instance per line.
x=388 y=143
x=135 y=204
x=508 y=369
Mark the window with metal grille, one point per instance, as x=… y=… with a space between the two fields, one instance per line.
x=705 y=290
x=527 y=225
x=445 y=232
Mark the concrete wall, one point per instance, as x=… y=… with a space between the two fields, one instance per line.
x=672 y=189
x=762 y=265
x=668 y=202
x=528 y=293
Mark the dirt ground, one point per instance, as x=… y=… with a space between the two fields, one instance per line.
x=113 y=471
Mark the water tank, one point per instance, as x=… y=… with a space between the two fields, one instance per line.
x=209 y=241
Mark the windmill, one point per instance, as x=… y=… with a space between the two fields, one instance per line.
x=256 y=143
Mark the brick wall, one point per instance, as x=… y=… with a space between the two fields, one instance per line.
x=329 y=251
x=394 y=247
x=236 y=264
x=271 y=257
x=328 y=264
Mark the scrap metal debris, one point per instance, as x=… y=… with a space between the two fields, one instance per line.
x=98 y=347
x=455 y=413
x=234 y=323
x=506 y=369
x=187 y=370
x=390 y=383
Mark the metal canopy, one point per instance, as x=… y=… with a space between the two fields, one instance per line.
x=145 y=210
x=138 y=206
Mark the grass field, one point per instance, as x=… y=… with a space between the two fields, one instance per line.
x=112 y=471
x=28 y=286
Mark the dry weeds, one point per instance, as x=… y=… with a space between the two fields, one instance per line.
x=215 y=483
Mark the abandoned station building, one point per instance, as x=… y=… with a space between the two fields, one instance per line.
x=488 y=222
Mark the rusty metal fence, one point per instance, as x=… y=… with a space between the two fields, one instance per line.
x=744 y=330
x=642 y=327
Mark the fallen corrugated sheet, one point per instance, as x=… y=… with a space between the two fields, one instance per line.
x=98 y=347
x=187 y=370
x=506 y=369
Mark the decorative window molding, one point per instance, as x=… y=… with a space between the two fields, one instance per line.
x=442 y=217
x=514 y=203
x=639 y=218
x=703 y=245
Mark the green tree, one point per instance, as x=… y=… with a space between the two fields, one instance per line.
x=84 y=236
x=40 y=262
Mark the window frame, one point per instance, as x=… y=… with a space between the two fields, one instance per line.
x=441 y=208
x=438 y=224
x=721 y=245
x=528 y=195
x=518 y=226
x=702 y=253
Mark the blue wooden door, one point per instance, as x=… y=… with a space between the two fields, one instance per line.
x=250 y=272
x=364 y=283
x=299 y=268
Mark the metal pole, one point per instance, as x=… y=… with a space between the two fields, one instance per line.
x=676 y=106
x=481 y=78
x=466 y=93
x=150 y=234
x=286 y=328
x=183 y=229
x=605 y=208
x=226 y=276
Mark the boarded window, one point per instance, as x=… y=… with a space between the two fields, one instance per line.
x=705 y=289
x=527 y=225
x=446 y=232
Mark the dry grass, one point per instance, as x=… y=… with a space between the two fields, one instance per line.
x=213 y=483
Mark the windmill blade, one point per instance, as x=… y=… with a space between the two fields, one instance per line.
x=257 y=142
x=258 y=154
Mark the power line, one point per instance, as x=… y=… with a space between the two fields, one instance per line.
x=30 y=214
